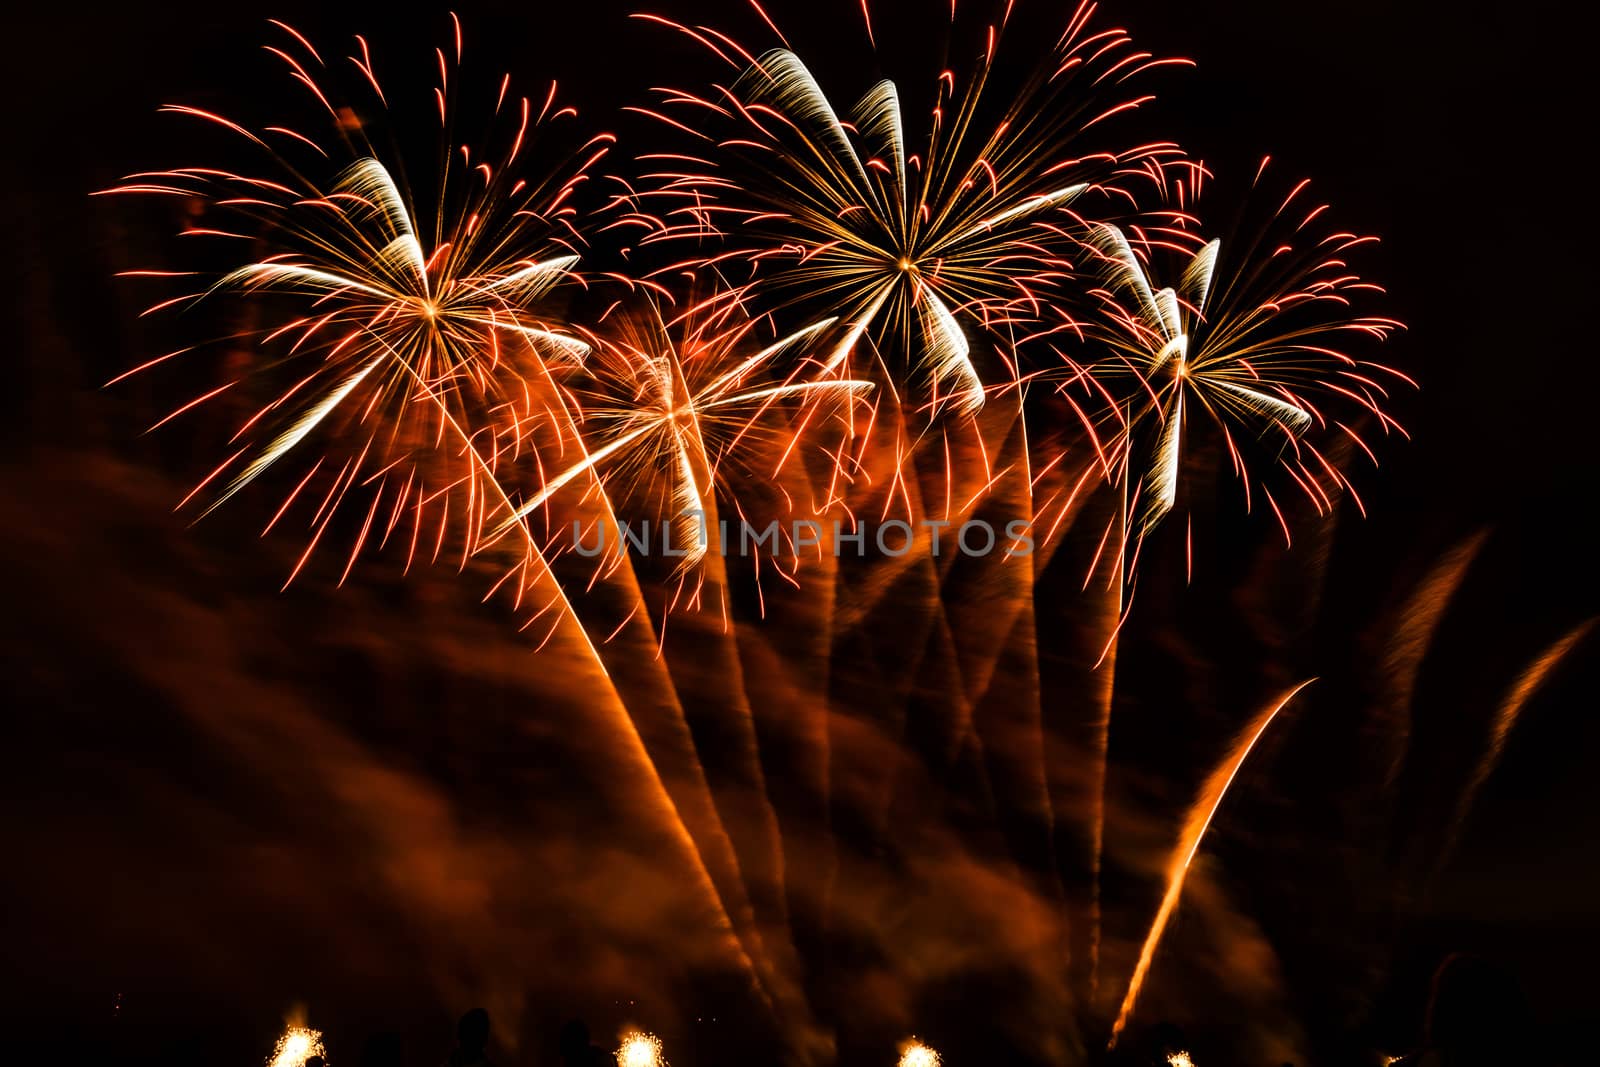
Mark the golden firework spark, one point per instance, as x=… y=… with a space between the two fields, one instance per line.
x=915 y=1054
x=640 y=1049
x=297 y=1045
x=1179 y=1059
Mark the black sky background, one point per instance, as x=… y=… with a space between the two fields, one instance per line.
x=1459 y=135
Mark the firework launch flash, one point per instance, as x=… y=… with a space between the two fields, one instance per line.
x=297 y=1045
x=639 y=1049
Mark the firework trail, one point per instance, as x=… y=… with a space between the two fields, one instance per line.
x=418 y=348
x=678 y=411
x=949 y=689
x=1201 y=812
x=902 y=244
x=1250 y=335
x=410 y=337
x=1068 y=500
x=665 y=416
x=670 y=407
x=1101 y=761
x=1517 y=696
x=1407 y=646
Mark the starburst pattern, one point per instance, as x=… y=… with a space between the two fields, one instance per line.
x=407 y=342
x=911 y=243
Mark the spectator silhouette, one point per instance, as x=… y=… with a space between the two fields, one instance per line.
x=577 y=1050
x=472 y=1039
x=1477 y=1017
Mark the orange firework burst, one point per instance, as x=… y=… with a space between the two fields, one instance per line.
x=671 y=401
x=401 y=343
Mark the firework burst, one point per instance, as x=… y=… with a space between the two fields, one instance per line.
x=673 y=401
x=1252 y=335
x=400 y=343
x=910 y=241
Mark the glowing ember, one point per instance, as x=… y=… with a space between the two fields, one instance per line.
x=297 y=1045
x=915 y=1054
x=640 y=1050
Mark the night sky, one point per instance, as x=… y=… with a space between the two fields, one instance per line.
x=222 y=801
